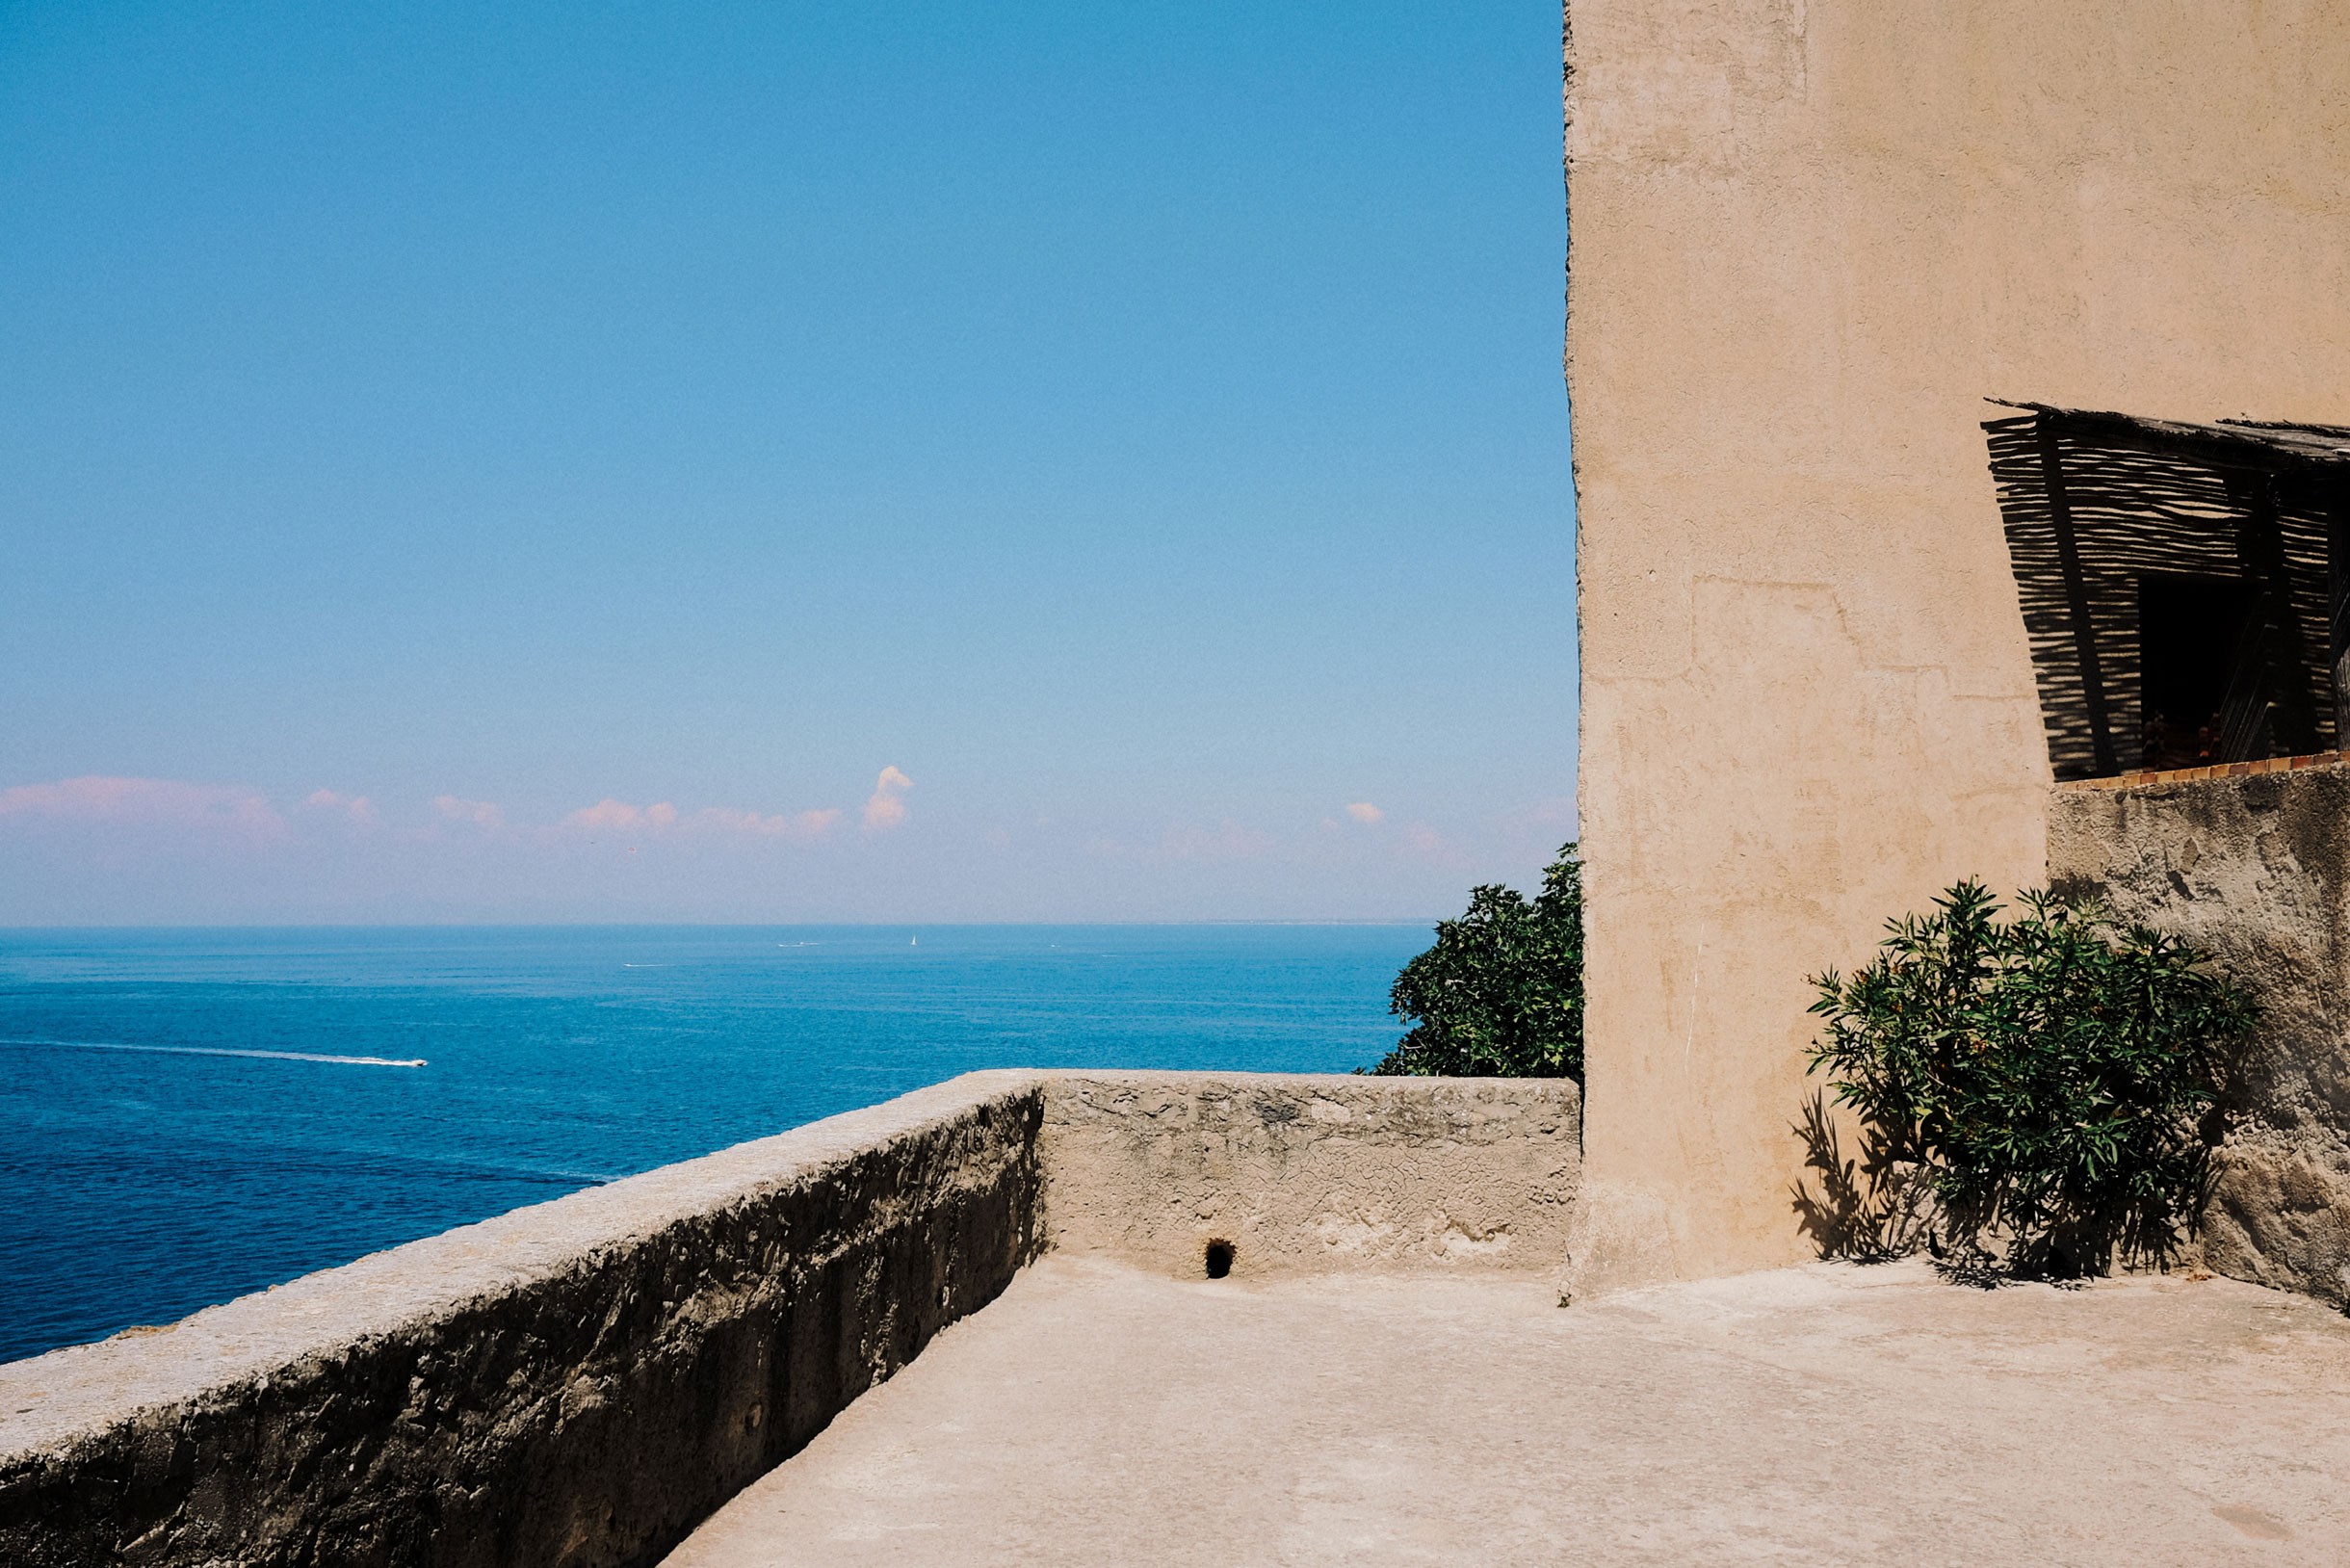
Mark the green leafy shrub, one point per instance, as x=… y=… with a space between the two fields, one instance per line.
x=2049 y=1077
x=1501 y=993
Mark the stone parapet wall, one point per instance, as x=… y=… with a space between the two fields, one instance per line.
x=2255 y=867
x=1312 y=1174
x=579 y=1383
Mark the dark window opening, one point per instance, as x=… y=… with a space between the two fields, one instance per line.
x=2192 y=657
x=1220 y=1259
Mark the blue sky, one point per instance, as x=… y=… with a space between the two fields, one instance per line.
x=534 y=462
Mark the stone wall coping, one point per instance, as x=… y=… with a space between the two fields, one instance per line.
x=1352 y=1086
x=51 y=1400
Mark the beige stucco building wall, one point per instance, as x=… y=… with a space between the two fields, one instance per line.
x=1807 y=236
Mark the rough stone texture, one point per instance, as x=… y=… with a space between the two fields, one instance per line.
x=2257 y=871
x=580 y=1382
x=1314 y=1174
x=1828 y=1415
x=1809 y=237
x=574 y=1383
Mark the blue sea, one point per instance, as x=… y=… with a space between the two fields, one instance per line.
x=187 y=1115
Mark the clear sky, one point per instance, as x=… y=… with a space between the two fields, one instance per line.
x=784 y=462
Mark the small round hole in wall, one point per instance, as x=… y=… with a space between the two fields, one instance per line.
x=1218 y=1259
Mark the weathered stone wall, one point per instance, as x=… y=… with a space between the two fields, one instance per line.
x=2257 y=871
x=1310 y=1174
x=575 y=1383
x=1808 y=238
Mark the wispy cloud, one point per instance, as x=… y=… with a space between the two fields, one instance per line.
x=610 y=816
x=1556 y=815
x=1362 y=811
x=456 y=809
x=805 y=826
x=357 y=807
x=885 y=809
x=1228 y=840
x=231 y=809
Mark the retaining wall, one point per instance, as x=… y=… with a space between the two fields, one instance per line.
x=579 y=1383
x=1312 y=1174
x=2255 y=867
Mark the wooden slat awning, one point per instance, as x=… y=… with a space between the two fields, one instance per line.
x=2258 y=445
x=2093 y=501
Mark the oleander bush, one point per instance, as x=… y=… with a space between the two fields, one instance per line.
x=1501 y=993
x=2047 y=1082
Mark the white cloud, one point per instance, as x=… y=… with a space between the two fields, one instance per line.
x=608 y=814
x=805 y=826
x=885 y=809
x=484 y=813
x=617 y=816
x=357 y=807
x=232 y=809
x=1362 y=811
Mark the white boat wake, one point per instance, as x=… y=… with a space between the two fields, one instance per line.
x=222 y=1051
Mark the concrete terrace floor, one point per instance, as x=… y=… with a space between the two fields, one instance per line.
x=1826 y=1415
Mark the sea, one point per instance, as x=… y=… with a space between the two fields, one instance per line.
x=187 y=1116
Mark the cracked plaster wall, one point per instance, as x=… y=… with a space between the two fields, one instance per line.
x=1806 y=238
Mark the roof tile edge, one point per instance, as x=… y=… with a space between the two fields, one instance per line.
x=2187 y=775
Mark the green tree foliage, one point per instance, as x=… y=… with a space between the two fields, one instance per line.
x=1501 y=993
x=2049 y=1076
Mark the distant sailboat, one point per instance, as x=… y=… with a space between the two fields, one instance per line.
x=913 y=941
